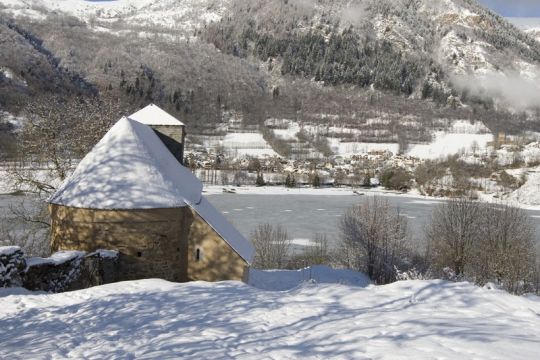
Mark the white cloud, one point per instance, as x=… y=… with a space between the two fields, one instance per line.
x=516 y=91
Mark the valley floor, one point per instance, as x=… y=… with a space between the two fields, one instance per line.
x=346 y=319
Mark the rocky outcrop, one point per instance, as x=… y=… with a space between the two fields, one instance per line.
x=63 y=271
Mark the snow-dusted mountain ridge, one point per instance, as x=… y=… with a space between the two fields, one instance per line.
x=386 y=71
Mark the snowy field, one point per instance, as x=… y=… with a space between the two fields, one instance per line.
x=252 y=144
x=462 y=137
x=449 y=143
x=240 y=144
x=155 y=319
x=347 y=148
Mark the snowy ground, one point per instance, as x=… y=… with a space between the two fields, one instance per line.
x=151 y=319
x=446 y=144
x=185 y=15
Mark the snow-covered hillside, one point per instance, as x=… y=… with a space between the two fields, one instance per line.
x=181 y=15
x=158 y=319
x=530 y=25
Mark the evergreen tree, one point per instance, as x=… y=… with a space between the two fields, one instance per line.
x=290 y=181
x=260 y=180
x=316 y=180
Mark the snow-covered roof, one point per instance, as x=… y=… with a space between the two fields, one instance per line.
x=131 y=168
x=154 y=115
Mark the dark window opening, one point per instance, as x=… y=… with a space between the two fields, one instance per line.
x=178 y=249
x=198 y=255
x=139 y=254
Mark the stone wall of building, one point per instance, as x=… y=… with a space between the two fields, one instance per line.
x=173 y=137
x=151 y=243
x=215 y=260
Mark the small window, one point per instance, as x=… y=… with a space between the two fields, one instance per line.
x=198 y=255
x=139 y=254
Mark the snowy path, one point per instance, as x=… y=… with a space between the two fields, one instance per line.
x=156 y=319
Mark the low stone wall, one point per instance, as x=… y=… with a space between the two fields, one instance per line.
x=63 y=271
x=12 y=266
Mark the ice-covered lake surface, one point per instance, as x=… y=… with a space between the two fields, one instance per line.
x=302 y=215
x=305 y=215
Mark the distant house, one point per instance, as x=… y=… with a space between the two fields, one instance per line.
x=131 y=194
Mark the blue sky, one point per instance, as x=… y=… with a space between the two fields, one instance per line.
x=520 y=8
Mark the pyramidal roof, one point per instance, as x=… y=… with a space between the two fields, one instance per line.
x=130 y=168
x=154 y=115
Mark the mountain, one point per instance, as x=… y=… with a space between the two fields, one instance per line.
x=529 y=25
x=388 y=71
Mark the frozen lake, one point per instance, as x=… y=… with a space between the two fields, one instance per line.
x=301 y=215
x=305 y=215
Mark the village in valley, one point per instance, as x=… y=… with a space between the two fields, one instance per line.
x=244 y=156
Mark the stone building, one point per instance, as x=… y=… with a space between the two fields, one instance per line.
x=170 y=130
x=131 y=194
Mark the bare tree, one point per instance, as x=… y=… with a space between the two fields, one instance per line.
x=507 y=254
x=271 y=246
x=318 y=253
x=56 y=134
x=374 y=239
x=26 y=227
x=484 y=243
x=452 y=232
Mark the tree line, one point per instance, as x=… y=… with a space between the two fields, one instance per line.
x=466 y=240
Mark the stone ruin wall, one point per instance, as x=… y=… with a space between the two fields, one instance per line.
x=63 y=271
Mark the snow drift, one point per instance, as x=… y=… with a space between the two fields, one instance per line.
x=158 y=319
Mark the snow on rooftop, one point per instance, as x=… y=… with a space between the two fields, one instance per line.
x=154 y=115
x=130 y=168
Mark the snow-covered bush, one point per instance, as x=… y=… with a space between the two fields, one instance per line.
x=413 y=274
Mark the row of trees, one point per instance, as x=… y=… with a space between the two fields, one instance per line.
x=466 y=240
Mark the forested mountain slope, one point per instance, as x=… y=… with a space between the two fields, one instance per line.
x=400 y=68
